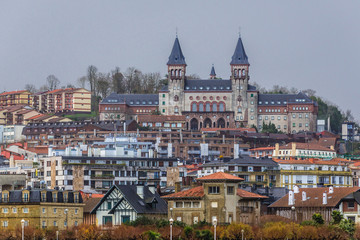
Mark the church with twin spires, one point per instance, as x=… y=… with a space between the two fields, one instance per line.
x=216 y=103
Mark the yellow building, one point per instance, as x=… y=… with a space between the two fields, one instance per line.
x=15 y=98
x=41 y=208
x=218 y=197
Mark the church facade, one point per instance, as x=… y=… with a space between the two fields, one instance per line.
x=217 y=103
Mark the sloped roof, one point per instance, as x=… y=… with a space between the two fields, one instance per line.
x=245 y=160
x=176 y=56
x=245 y=194
x=220 y=176
x=161 y=118
x=196 y=192
x=307 y=146
x=132 y=99
x=261 y=149
x=90 y=204
x=239 y=56
x=13 y=92
x=208 y=85
x=283 y=99
x=314 y=197
x=311 y=161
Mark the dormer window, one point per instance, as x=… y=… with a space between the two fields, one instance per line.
x=43 y=196
x=65 y=196
x=5 y=196
x=54 y=195
x=25 y=196
x=76 y=197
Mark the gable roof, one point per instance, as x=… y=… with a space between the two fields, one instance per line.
x=283 y=99
x=307 y=146
x=239 y=56
x=208 y=85
x=176 y=56
x=90 y=204
x=139 y=204
x=314 y=197
x=132 y=99
x=196 y=192
x=220 y=176
x=248 y=195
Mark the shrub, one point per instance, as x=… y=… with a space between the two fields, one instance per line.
x=142 y=220
x=204 y=234
x=336 y=217
x=348 y=226
x=234 y=231
x=318 y=219
x=152 y=235
x=308 y=223
x=188 y=232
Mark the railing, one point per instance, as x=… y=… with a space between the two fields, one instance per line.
x=245 y=209
x=104 y=176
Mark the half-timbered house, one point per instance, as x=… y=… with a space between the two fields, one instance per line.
x=125 y=203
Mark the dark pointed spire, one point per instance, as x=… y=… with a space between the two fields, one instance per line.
x=176 y=57
x=212 y=72
x=239 y=56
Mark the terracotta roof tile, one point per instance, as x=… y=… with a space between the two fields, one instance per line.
x=196 y=192
x=220 y=176
x=36 y=116
x=310 y=146
x=262 y=149
x=13 y=92
x=314 y=197
x=245 y=194
x=334 y=161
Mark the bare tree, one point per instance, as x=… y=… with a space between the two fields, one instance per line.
x=81 y=82
x=30 y=87
x=92 y=78
x=349 y=116
x=309 y=92
x=151 y=82
x=43 y=88
x=193 y=76
x=69 y=85
x=133 y=80
x=52 y=82
x=103 y=84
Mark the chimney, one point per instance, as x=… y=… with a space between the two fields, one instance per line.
x=324 y=201
x=296 y=189
x=332 y=147
x=276 y=152
x=304 y=196
x=140 y=190
x=291 y=198
x=293 y=149
x=177 y=187
x=331 y=189
x=152 y=188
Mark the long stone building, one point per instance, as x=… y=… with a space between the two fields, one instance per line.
x=213 y=102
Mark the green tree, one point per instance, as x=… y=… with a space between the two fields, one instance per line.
x=152 y=235
x=348 y=226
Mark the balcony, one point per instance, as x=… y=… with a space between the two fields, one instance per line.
x=104 y=176
x=194 y=152
x=245 y=209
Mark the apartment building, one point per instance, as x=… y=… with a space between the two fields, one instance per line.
x=310 y=173
x=68 y=100
x=41 y=208
x=303 y=150
x=22 y=97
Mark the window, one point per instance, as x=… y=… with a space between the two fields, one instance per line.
x=55 y=210
x=163 y=95
x=5 y=224
x=221 y=107
x=194 y=107
x=43 y=224
x=109 y=205
x=207 y=107
x=279 y=118
x=214 y=204
x=163 y=110
x=239 y=109
x=294 y=124
x=5 y=210
x=196 y=204
x=14 y=210
x=351 y=204
x=306 y=115
x=294 y=115
x=179 y=204
x=163 y=103
x=201 y=107
x=76 y=211
x=76 y=223
x=214 y=190
x=55 y=223
x=25 y=210
x=230 y=190
x=43 y=210
x=272 y=117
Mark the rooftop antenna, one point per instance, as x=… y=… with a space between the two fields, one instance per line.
x=176 y=29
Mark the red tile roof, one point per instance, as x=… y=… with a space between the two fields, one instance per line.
x=314 y=197
x=228 y=129
x=12 y=92
x=196 y=192
x=245 y=194
x=36 y=116
x=220 y=176
x=310 y=146
x=262 y=149
x=334 y=161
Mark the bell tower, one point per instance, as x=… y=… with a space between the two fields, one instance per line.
x=239 y=80
x=176 y=79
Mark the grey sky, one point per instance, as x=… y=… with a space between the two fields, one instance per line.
x=302 y=44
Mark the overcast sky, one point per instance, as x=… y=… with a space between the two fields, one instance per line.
x=302 y=44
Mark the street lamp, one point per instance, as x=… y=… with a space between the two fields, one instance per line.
x=22 y=229
x=66 y=214
x=242 y=234
x=214 y=223
x=171 y=224
x=293 y=213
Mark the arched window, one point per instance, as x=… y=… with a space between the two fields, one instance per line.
x=235 y=72
x=176 y=98
x=221 y=107
x=207 y=107
x=194 y=107
x=201 y=107
x=176 y=109
x=175 y=72
x=179 y=72
x=243 y=72
x=214 y=107
x=172 y=72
